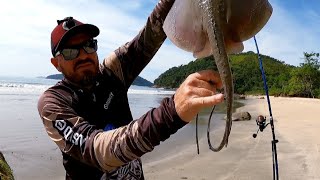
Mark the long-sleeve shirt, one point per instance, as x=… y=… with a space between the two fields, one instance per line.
x=94 y=129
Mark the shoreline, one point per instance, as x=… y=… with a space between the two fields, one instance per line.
x=32 y=155
x=249 y=158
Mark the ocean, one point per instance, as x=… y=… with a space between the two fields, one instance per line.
x=30 y=152
x=23 y=87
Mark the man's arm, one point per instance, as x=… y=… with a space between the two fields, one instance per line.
x=111 y=149
x=105 y=150
x=129 y=60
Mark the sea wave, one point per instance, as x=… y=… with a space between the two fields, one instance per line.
x=149 y=90
x=12 y=88
x=22 y=88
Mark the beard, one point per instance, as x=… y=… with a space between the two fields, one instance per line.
x=86 y=79
x=83 y=79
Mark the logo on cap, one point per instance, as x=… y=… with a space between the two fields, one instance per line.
x=68 y=27
x=68 y=23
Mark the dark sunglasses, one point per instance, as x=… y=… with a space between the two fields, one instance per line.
x=71 y=53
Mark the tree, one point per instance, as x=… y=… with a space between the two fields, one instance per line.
x=247 y=77
x=311 y=59
x=305 y=80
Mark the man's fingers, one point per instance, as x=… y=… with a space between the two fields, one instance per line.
x=208 y=100
x=205 y=84
x=203 y=92
x=209 y=76
x=197 y=92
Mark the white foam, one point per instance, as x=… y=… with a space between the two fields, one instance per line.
x=11 y=88
x=22 y=88
x=135 y=90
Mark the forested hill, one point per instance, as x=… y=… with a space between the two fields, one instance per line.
x=139 y=81
x=282 y=79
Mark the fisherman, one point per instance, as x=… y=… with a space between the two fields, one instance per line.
x=87 y=114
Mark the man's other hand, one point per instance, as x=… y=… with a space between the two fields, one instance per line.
x=196 y=92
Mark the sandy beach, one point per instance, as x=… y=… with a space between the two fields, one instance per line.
x=297 y=129
x=33 y=156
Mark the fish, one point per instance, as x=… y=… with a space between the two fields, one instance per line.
x=217 y=28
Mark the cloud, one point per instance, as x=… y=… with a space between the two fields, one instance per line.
x=25 y=36
x=26 y=28
x=288 y=34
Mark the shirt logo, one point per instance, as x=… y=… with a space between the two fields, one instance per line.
x=132 y=170
x=106 y=105
x=68 y=133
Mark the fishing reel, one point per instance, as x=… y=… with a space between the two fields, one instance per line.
x=261 y=123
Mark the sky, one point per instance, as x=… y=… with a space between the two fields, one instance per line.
x=293 y=28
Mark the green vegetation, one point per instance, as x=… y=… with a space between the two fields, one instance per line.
x=282 y=79
x=173 y=77
x=305 y=80
x=139 y=81
x=5 y=171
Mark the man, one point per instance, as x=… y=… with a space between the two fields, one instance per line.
x=87 y=114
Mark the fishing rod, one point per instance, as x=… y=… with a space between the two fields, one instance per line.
x=261 y=121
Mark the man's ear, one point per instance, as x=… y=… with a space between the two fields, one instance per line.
x=54 y=61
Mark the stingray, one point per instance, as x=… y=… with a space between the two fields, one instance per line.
x=218 y=28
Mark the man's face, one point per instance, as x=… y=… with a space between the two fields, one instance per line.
x=82 y=69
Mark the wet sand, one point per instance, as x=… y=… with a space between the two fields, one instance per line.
x=32 y=155
x=24 y=142
x=297 y=129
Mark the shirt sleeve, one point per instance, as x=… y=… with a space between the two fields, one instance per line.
x=72 y=133
x=129 y=60
x=106 y=150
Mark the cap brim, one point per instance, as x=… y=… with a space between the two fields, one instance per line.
x=89 y=29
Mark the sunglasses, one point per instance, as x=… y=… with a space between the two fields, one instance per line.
x=71 y=53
